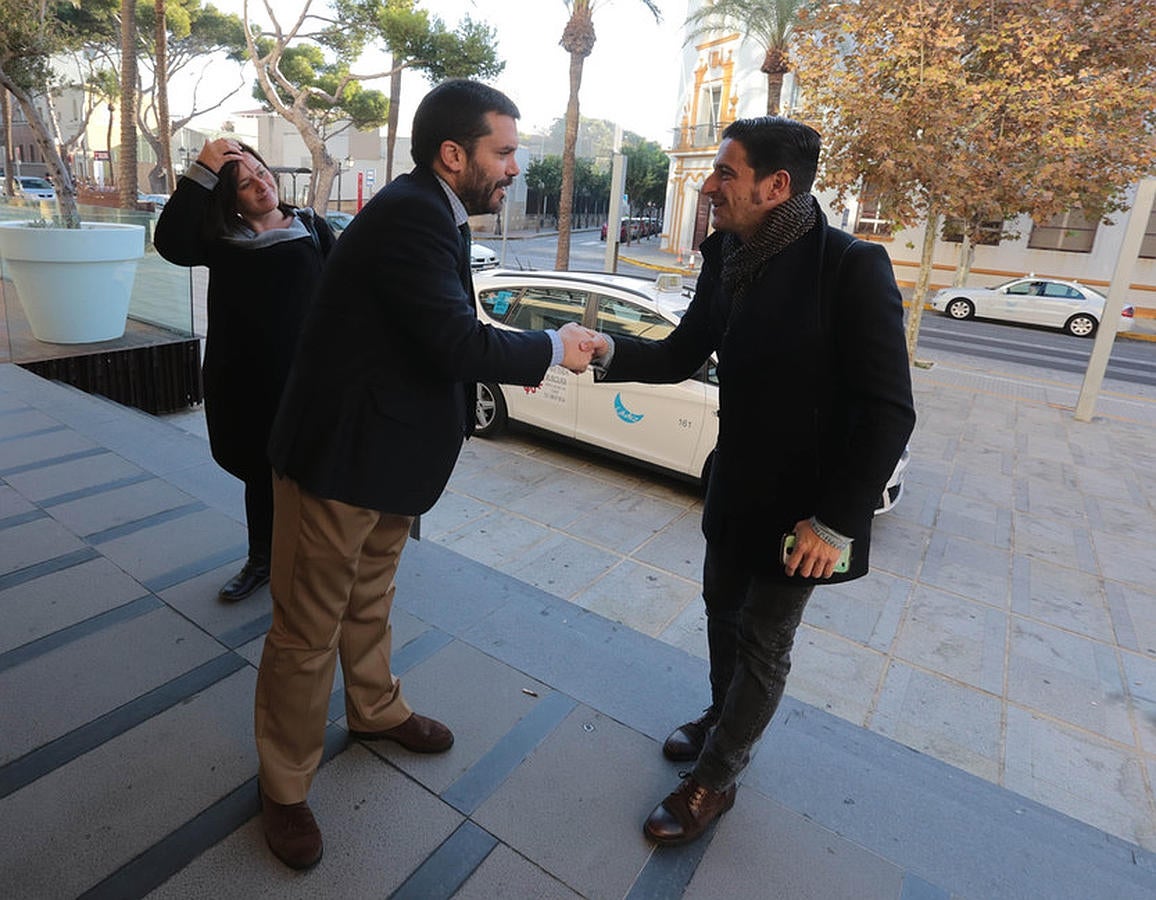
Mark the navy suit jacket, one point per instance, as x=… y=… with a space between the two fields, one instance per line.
x=380 y=395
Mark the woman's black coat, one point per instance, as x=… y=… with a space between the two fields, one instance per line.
x=257 y=298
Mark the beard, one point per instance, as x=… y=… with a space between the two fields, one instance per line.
x=478 y=194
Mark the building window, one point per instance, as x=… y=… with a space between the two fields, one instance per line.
x=872 y=215
x=1070 y=231
x=1148 y=245
x=989 y=232
x=706 y=132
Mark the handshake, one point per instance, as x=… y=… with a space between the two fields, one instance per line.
x=581 y=346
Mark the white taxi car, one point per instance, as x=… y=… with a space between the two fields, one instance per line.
x=671 y=427
x=1051 y=302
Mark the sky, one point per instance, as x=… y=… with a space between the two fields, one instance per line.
x=630 y=78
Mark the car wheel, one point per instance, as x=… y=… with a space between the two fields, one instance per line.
x=1081 y=325
x=490 y=416
x=959 y=308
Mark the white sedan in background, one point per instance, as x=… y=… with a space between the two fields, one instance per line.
x=670 y=427
x=482 y=258
x=1031 y=300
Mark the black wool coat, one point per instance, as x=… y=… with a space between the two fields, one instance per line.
x=382 y=393
x=815 y=404
x=257 y=297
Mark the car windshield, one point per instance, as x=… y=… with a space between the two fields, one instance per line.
x=36 y=183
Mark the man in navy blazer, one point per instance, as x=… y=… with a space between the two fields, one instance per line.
x=379 y=400
x=815 y=409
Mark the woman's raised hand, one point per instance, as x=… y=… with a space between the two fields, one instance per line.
x=217 y=152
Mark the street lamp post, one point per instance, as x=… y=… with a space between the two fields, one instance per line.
x=342 y=165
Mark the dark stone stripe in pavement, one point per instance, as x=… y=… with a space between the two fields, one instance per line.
x=20 y=518
x=242 y=634
x=175 y=851
x=95 y=489
x=28 y=434
x=160 y=518
x=449 y=866
x=670 y=869
x=123 y=613
x=55 y=461
x=56 y=564
x=915 y=888
x=401 y=661
x=67 y=747
x=486 y=775
x=166 y=580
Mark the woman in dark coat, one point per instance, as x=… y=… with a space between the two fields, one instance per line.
x=264 y=259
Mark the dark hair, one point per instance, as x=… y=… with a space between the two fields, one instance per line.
x=221 y=216
x=773 y=143
x=455 y=111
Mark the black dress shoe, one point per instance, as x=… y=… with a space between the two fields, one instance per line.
x=685 y=814
x=686 y=741
x=253 y=574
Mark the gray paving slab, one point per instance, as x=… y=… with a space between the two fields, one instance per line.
x=58 y=691
x=79 y=823
x=378 y=824
x=36 y=541
x=189 y=539
x=42 y=483
x=505 y=873
x=196 y=599
x=479 y=698
x=99 y=512
x=23 y=451
x=591 y=784
x=33 y=609
x=763 y=849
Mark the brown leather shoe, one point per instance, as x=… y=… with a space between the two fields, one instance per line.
x=685 y=814
x=686 y=741
x=291 y=833
x=419 y=734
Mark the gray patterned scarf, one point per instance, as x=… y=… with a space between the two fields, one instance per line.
x=784 y=225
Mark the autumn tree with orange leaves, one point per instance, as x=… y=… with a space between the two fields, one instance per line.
x=980 y=110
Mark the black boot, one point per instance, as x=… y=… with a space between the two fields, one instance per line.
x=253 y=575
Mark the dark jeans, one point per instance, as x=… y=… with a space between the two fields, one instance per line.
x=751 y=623
x=259 y=517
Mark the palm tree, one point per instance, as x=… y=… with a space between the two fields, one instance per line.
x=770 y=22
x=577 y=40
x=126 y=164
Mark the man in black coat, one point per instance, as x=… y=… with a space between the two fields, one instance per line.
x=815 y=410
x=379 y=399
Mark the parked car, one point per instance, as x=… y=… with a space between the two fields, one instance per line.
x=338 y=221
x=671 y=427
x=157 y=200
x=34 y=188
x=482 y=257
x=1067 y=305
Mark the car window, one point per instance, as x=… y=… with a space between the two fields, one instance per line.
x=1020 y=288
x=39 y=183
x=1051 y=289
x=535 y=308
x=618 y=316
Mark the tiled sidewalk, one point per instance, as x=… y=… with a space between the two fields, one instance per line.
x=126 y=760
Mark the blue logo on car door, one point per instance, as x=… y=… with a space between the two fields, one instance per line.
x=623 y=413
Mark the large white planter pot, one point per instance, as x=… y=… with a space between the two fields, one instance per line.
x=75 y=283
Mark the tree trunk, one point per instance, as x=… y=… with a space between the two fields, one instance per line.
x=391 y=123
x=774 y=92
x=919 y=297
x=126 y=163
x=164 y=127
x=569 y=145
x=109 y=168
x=9 y=148
x=966 y=258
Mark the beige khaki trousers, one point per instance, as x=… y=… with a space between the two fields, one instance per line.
x=332 y=583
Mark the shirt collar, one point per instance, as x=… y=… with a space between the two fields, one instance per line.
x=461 y=217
